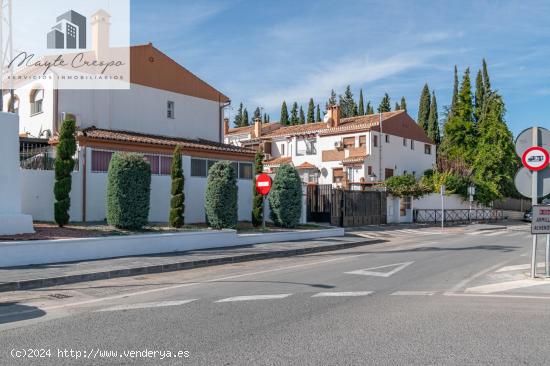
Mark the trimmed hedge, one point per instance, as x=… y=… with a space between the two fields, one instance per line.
x=177 y=203
x=64 y=165
x=285 y=198
x=220 y=201
x=128 y=191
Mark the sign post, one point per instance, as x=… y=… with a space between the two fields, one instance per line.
x=263 y=186
x=443 y=205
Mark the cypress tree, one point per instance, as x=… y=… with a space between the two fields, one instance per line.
x=486 y=81
x=479 y=95
x=285 y=198
x=318 y=118
x=64 y=165
x=454 y=99
x=311 y=111
x=294 y=119
x=257 y=114
x=302 y=119
x=385 y=104
x=397 y=107
x=244 y=121
x=347 y=104
x=433 y=122
x=424 y=108
x=177 y=203
x=332 y=100
x=361 y=110
x=257 y=199
x=239 y=116
x=403 y=105
x=465 y=107
x=264 y=120
x=284 y=115
x=220 y=198
x=370 y=109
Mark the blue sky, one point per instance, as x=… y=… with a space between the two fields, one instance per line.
x=261 y=52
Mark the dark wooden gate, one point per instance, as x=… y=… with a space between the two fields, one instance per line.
x=319 y=202
x=358 y=208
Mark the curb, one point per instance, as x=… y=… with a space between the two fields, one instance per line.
x=171 y=267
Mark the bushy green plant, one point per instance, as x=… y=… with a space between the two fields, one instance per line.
x=220 y=201
x=64 y=165
x=177 y=203
x=128 y=191
x=454 y=183
x=257 y=200
x=406 y=186
x=285 y=198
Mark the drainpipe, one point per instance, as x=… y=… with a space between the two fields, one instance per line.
x=84 y=168
x=222 y=106
x=380 y=146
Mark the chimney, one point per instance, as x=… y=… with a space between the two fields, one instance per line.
x=257 y=128
x=333 y=116
x=100 y=33
x=225 y=126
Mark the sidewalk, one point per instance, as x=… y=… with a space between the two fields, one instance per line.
x=38 y=276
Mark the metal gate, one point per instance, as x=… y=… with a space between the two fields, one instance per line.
x=319 y=202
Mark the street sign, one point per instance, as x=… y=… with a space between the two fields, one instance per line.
x=523 y=182
x=535 y=158
x=263 y=184
x=525 y=140
x=541 y=220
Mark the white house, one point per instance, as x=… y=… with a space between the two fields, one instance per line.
x=364 y=149
x=165 y=106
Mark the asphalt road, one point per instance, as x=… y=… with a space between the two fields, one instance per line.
x=422 y=297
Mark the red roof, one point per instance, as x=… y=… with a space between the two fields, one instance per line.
x=306 y=165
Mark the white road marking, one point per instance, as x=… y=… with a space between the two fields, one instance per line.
x=254 y=297
x=495 y=233
x=371 y=272
x=475 y=233
x=413 y=293
x=505 y=286
x=499 y=296
x=463 y=283
x=146 y=305
x=518 y=267
x=342 y=294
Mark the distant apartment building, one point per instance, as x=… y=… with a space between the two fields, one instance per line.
x=363 y=149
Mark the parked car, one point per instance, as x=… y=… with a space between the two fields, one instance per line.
x=528 y=215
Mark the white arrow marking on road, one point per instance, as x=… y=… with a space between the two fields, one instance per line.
x=254 y=297
x=371 y=272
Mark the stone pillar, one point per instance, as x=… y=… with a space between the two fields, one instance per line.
x=12 y=221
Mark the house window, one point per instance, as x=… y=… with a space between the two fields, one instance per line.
x=154 y=161
x=198 y=168
x=306 y=147
x=388 y=173
x=362 y=141
x=165 y=165
x=369 y=170
x=404 y=142
x=337 y=175
x=427 y=149
x=282 y=149
x=37 y=98
x=101 y=160
x=170 y=110
x=349 y=142
x=404 y=205
x=245 y=171
x=412 y=144
x=387 y=139
x=375 y=141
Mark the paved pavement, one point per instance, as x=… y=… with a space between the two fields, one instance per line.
x=410 y=300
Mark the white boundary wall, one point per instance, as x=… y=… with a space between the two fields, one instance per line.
x=66 y=250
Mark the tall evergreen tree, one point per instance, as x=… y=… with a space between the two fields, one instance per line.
x=302 y=118
x=64 y=165
x=424 y=108
x=332 y=100
x=397 y=106
x=433 y=122
x=479 y=97
x=294 y=119
x=318 y=117
x=239 y=116
x=284 y=115
x=257 y=114
x=454 y=99
x=370 y=109
x=347 y=104
x=264 y=119
x=244 y=121
x=385 y=104
x=403 y=105
x=311 y=111
x=486 y=81
x=177 y=203
x=257 y=199
x=361 y=110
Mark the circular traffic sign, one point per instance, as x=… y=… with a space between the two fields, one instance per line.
x=263 y=184
x=523 y=182
x=535 y=158
x=525 y=140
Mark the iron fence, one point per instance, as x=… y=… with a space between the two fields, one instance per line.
x=38 y=155
x=457 y=215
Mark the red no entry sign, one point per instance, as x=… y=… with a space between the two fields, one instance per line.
x=535 y=158
x=263 y=184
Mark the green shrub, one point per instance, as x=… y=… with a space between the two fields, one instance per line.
x=406 y=186
x=220 y=201
x=128 y=191
x=285 y=198
x=64 y=165
x=257 y=200
x=177 y=203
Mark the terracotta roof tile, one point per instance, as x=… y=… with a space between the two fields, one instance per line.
x=306 y=165
x=266 y=128
x=278 y=161
x=134 y=137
